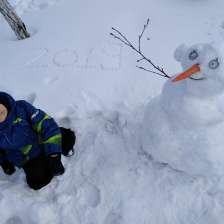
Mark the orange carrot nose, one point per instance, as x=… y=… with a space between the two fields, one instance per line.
x=195 y=68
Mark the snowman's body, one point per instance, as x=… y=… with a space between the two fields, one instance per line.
x=184 y=127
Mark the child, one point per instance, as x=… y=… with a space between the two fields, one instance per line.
x=31 y=140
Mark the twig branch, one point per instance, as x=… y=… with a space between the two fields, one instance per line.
x=117 y=31
x=140 y=36
x=147 y=70
x=118 y=35
x=140 y=59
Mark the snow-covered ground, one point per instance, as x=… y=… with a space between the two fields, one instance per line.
x=87 y=80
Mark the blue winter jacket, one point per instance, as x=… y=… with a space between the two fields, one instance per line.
x=25 y=131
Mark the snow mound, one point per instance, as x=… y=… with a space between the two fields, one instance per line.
x=109 y=173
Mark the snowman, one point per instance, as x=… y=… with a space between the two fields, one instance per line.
x=184 y=125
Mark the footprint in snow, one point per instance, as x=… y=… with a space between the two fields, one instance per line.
x=89 y=195
x=114 y=122
x=113 y=218
x=14 y=220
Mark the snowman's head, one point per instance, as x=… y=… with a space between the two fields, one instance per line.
x=203 y=67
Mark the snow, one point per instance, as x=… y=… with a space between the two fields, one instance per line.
x=75 y=71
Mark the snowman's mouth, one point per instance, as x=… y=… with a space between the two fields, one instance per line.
x=197 y=76
x=197 y=79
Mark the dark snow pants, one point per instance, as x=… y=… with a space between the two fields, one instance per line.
x=37 y=170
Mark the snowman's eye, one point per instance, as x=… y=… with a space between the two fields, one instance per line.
x=193 y=55
x=213 y=64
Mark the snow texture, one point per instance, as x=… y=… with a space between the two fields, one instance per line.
x=137 y=160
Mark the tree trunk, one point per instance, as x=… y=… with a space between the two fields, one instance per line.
x=13 y=20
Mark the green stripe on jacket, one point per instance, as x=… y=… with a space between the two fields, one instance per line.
x=56 y=139
x=38 y=126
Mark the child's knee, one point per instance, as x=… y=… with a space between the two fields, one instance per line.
x=38 y=184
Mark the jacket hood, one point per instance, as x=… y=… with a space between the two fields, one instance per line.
x=10 y=104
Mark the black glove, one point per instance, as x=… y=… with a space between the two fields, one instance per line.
x=68 y=141
x=7 y=167
x=55 y=165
